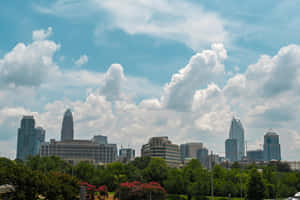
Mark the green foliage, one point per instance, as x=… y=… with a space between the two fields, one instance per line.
x=256 y=187
x=51 y=177
x=156 y=170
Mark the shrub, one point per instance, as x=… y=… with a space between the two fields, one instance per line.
x=142 y=191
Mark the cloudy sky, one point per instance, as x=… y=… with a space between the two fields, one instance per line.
x=134 y=69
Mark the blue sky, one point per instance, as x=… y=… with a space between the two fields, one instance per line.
x=165 y=61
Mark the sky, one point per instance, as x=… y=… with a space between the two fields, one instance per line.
x=132 y=70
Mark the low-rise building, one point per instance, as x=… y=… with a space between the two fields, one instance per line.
x=75 y=151
x=162 y=147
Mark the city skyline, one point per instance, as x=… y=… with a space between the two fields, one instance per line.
x=157 y=71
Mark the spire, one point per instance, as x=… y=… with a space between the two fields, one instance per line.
x=67 y=129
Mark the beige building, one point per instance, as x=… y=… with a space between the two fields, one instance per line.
x=75 y=151
x=294 y=165
x=161 y=147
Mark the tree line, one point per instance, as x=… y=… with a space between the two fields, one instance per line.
x=56 y=179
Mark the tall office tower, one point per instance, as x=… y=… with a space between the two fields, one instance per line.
x=231 y=152
x=161 y=147
x=29 y=138
x=202 y=156
x=67 y=129
x=189 y=150
x=237 y=132
x=271 y=146
x=41 y=133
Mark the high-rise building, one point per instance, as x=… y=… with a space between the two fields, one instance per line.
x=202 y=156
x=75 y=151
x=29 y=138
x=67 y=129
x=271 y=146
x=189 y=150
x=231 y=150
x=126 y=155
x=237 y=132
x=161 y=147
x=255 y=155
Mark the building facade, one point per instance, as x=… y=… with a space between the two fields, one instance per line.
x=67 y=129
x=271 y=146
x=74 y=151
x=126 y=155
x=237 y=132
x=231 y=150
x=100 y=139
x=202 y=156
x=161 y=147
x=255 y=155
x=189 y=150
x=29 y=138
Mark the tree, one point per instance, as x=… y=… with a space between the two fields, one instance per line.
x=141 y=162
x=156 y=170
x=255 y=186
x=174 y=183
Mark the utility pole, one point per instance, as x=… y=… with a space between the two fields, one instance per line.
x=211 y=176
x=241 y=181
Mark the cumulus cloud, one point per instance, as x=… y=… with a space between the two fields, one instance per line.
x=113 y=80
x=83 y=59
x=41 y=34
x=29 y=65
x=203 y=68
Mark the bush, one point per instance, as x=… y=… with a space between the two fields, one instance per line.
x=142 y=191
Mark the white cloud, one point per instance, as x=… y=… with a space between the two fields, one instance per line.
x=41 y=34
x=113 y=81
x=202 y=69
x=182 y=21
x=29 y=65
x=83 y=59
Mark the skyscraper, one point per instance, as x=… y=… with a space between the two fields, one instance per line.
x=231 y=150
x=271 y=146
x=67 y=129
x=237 y=132
x=29 y=138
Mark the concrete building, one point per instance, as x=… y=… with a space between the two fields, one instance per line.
x=126 y=155
x=271 y=146
x=67 y=128
x=189 y=150
x=231 y=150
x=294 y=165
x=29 y=138
x=161 y=147
x=255 y=155
x=74 y=151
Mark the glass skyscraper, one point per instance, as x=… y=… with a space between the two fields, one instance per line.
x=231 y=150
x=29 y=138
x=271 y=146
x=236 y=132
x=67 y=129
